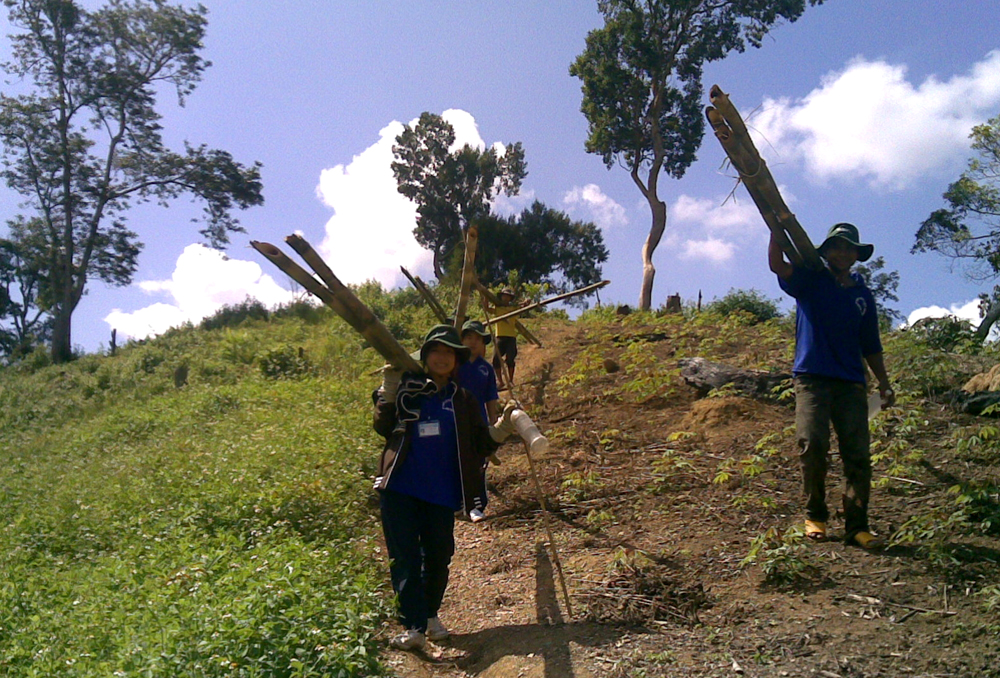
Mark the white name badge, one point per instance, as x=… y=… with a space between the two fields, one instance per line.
x=429 y=429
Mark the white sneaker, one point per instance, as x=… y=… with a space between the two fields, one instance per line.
x=435 y=629
x=476 y=515
x=408 y=640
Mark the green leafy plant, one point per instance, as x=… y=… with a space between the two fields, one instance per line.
x=783 y=557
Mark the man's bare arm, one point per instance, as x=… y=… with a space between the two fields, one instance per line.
x=776 y=260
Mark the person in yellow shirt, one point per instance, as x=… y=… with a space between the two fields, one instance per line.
x=505 y=350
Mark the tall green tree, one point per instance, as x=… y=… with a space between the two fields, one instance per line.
x=967 y=230
x=544 y=246
x=23 y=321
x=642 y=90
x=84 y=144
x=451 y=188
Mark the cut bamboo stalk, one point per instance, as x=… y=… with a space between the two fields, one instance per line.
x=341 y=300
x=732 y=134
x=428 y=296
x=492 y=298
x=553 y=550
x=549 y=300
x=468 y=274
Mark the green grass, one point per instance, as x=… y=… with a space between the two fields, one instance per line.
x=220 y=529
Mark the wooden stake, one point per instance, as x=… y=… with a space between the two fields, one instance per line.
x=468 y=274
x=732 y=134
x=558 y=297
x=341 y=300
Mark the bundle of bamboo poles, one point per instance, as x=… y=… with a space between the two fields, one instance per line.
x=337 y=296
x=732 y=134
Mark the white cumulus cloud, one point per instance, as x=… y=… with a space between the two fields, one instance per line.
x=718 y=215
x=712 y=249
x=204 y=280
x=598 y=206
x=712 y=229
x=870 y=121
x=370 y=234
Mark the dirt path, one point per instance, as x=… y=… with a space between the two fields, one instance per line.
x=651 y=536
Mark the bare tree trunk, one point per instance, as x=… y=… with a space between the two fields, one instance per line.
x=992 y=316
x=659 y=210
x=62 y=344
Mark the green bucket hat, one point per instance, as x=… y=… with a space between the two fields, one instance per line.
x=478 y=328
x=848 y=232
x=447 y=335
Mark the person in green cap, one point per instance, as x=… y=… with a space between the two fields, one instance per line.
x=479 y=377
x=436 y=441
x=836 y=333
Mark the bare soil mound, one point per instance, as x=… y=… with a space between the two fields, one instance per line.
x=655 y=497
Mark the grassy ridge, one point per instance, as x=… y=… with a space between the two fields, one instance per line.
x=219 y=529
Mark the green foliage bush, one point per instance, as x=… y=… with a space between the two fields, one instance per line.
x=751 y=302
x=234 y=315
x=284 y=362
x=948 y=333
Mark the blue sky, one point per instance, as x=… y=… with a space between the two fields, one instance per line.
x=862 y=109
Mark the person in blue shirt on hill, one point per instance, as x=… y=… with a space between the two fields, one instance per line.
x=436 y=441
x=836 y=333
x=478 y=376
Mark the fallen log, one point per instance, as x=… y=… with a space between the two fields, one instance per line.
x=340 y=299
x=707 y=376
x=732 y=134
x=436 y=308
x=550 y=300
x=492 y=298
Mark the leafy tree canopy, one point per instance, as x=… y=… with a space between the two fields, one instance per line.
x=544 y=246
x=967 y=230
x=450 y=187
x=84 y=144
x=641 y=82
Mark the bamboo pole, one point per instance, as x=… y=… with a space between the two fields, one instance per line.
x=534 y=479
x=342 y=301
x=428 y=296
x=468 y=274
x=735 y=140
x=492 y=298
x=558 y=297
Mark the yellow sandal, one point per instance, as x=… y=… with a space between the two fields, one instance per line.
x=868 y=541
x=815 y=530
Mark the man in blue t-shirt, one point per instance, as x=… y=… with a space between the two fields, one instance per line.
x=836 y=333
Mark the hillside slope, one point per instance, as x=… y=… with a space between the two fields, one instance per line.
x=657 y=497
x=200 y=504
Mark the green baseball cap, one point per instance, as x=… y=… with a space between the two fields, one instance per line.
x=848 y=232
x=447 y=335
x=478 y=328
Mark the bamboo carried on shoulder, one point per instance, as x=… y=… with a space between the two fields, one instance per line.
x=492 y=298
x=338 y=297
x=550 y=300
x=732 y=134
